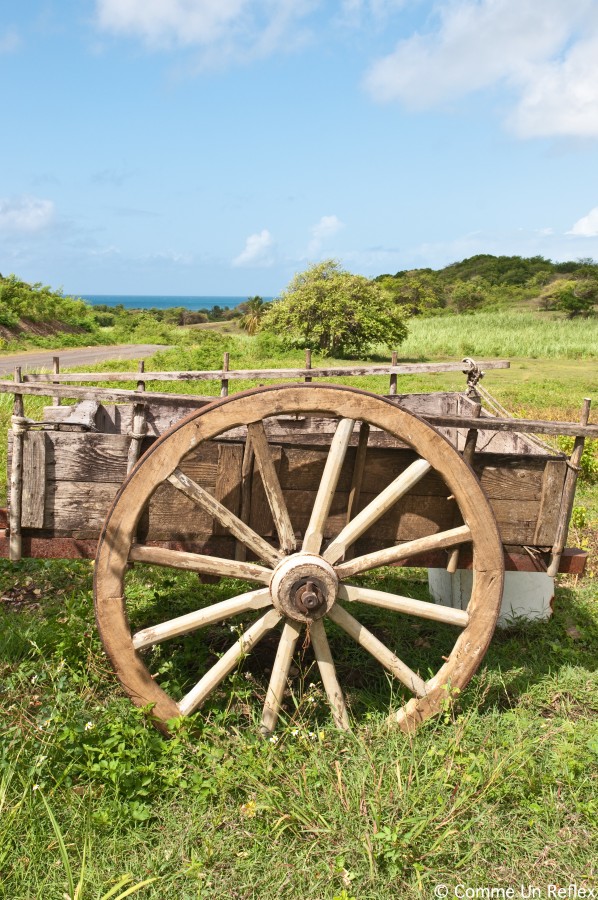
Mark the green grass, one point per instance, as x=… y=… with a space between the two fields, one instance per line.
x=500 y=790
x=505 y=333
x=505 y=779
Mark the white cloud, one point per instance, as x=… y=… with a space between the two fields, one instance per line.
x=354 y=12
x=10 y=41
x=587 y=226
x=561 y=96
x=548 y=57
x=326 y=228
x=25 y=214
x=258 y=251
x=237 y=29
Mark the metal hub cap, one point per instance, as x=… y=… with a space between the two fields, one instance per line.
x=304 y=587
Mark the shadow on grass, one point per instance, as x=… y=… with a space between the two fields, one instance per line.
x=519 y=659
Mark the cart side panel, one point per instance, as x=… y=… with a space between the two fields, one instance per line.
x=73 y=478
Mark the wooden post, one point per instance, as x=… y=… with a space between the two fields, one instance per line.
x=357 y=479
x=393 y=377
x=16 y=472
x=224 y=381
x=246 y=486
x=308 y=363
x=56 y=370
x=568 y=495
x=468 y=454
x=139 y=424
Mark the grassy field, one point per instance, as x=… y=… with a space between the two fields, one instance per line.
x=499 y=791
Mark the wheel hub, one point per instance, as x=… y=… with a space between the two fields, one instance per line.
x=304 y=587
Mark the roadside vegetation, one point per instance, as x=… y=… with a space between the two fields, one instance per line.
x=499 y=790
x=328 y=309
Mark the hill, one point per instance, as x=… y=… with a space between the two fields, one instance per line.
x=498 y=282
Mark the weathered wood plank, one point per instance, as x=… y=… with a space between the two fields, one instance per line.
x=271 y=484
x=45 y=546
x=548 y=510
x=227 y=489
x=16 y=471
x=246 y=489
x=260 y=515
x=77 y=509
x=139 y=429
x=34 y=480
x=172 y=516
x=266 y=374
x=568 y=496
x=502 y=477
x=104 y=394
x=103 y=457
x=531 y=426
x=239 y=529
x=82 y=414
x=358 y=471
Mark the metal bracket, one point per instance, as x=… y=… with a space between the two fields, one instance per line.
x=474 y=375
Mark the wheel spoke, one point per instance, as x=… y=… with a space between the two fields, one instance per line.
x=226 y=518
x=376 y=509
x=201 y=617
x=403 y=551
x=280 y=674
x=314 y=534
x=407 y=605
x=274 y=495
x=228 y=661
x=197 y=562
x=328 y=673
x=377 y=649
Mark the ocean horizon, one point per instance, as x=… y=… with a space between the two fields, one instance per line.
x=163 y=301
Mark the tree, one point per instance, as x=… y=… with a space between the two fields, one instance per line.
x=467 y=295
x=578 y=298
x=329 y=309
x=253 y=311
x=419 y=291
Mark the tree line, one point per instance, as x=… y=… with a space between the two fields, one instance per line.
x=329 y=309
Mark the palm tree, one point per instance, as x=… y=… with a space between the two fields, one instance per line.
x=253 y=310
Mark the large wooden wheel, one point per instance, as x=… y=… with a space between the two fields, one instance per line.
x=300 y=587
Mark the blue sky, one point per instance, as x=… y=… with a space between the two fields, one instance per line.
x=219 y=146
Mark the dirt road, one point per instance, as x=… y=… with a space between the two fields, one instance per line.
x=82 y=356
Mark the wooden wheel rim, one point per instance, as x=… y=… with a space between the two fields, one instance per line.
x=248 y=407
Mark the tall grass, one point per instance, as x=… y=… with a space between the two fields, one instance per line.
x=507 y=333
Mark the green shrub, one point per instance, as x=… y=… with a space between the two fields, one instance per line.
x=588 y=469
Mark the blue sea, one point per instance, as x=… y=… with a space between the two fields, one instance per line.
x=149 y=301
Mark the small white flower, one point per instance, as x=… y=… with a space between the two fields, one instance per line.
x=88 y=726
x=312 y=735
x=35 y=787
x=274 y=739
x=295 y=732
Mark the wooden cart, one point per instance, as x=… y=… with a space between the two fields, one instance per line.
x=297 y=488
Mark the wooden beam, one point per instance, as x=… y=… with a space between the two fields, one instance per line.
x=44 y=546
x=105 y=394
x=569 y=493
x=250 y=374
x=16 y=470
x=532 y=426
x=468 y=456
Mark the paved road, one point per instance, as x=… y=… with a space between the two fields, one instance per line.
x=82 y=356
